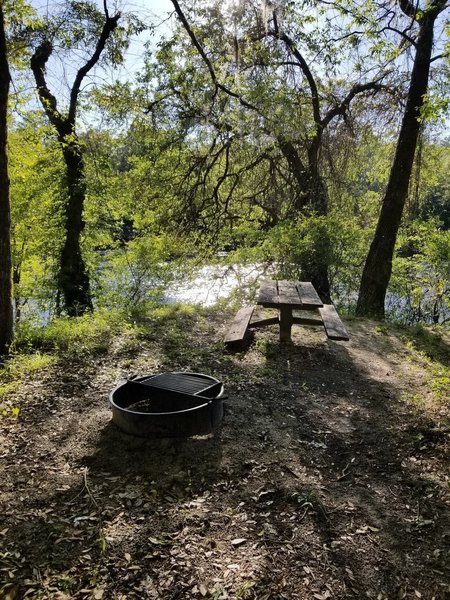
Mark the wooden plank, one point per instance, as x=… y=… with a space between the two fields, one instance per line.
x=333 y=325
x=307 y=321
x=239 y=325
x=288 y=294
x=308 y=295
x=264 y=322
x=311 y=315
x=268 y=293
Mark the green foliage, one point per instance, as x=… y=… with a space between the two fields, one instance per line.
x=178 y=170
x=76 y=337
x=286 y=245
x=421 y=274
x=136 y=273
x=36 y=173
x=434 y=202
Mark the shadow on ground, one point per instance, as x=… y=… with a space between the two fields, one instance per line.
x=316 y=486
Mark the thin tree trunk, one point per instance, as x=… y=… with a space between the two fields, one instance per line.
x=378 y=267
x=6 y=307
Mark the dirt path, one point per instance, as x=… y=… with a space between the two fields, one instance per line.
x=329 y=477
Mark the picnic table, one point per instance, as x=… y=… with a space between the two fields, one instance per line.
x=296 y=302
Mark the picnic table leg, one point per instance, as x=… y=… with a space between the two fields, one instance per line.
x=286 y=320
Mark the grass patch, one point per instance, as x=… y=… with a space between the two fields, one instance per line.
x=8 y=387
x=24 y=364
x=429 y=349
x=431 y=343
x=178 y=330
x=267 y=348
x=440 y=386
x=18 y=367
x=76 y=336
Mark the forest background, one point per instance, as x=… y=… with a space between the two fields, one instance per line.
x=148 y=144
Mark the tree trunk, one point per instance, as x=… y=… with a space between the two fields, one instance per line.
x=378 y=267
x=314 y=267
x=6 y=307
x=73 y=280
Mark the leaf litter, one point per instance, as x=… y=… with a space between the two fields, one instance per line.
x=314 y=486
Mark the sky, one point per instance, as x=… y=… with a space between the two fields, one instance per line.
x=61 y=71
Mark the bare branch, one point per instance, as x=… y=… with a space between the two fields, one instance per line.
x=443 y=55
x=409 y=39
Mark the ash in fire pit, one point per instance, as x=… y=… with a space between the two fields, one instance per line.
x=145 y=406
x=168 y=405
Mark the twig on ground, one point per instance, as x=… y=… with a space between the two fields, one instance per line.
x=345 y=471
x=85 y=472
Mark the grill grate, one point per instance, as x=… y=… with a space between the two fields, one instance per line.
x=180 y=382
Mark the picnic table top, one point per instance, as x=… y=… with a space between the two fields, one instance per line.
x=293 y=294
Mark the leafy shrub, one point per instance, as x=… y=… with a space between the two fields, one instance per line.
x=75 y=336
x=420 y=283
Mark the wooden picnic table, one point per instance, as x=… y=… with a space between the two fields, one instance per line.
x=287 y=297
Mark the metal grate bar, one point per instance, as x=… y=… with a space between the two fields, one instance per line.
x=179 y=382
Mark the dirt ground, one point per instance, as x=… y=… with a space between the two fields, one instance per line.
x=329 y=476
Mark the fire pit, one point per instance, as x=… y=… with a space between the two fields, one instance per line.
x=168 y=405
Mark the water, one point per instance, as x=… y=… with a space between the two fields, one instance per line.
x=213 y=283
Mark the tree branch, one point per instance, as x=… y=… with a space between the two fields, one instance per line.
x=303 y=66
x=341 y=108
x=408 y=8
x=48 y=100
x=296 y=167
x=443 y=55
x=108 y=27
x=437 y=6
x=200 y=50
x=400 y=32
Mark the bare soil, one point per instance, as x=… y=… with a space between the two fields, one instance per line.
x=329 y=476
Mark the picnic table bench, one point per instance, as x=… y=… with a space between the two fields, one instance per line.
x=287 y=297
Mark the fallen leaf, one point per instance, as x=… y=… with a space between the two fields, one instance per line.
x=238 y=541
x=323 y=596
